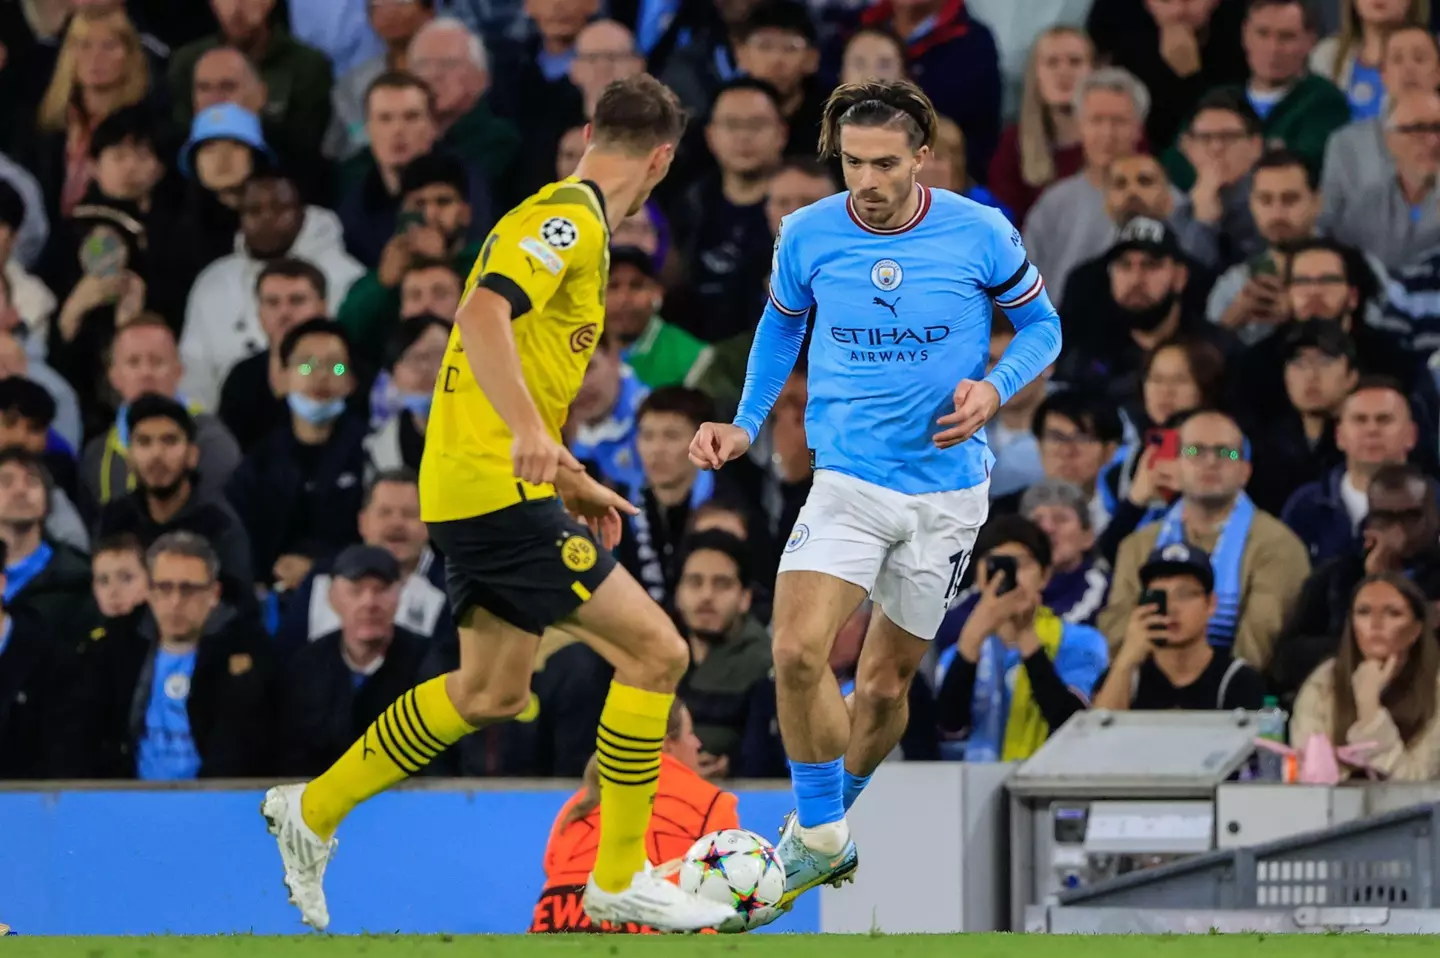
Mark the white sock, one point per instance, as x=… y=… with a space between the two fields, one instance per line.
x=828 y=839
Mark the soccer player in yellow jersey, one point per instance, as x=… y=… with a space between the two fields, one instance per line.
x=517 y=518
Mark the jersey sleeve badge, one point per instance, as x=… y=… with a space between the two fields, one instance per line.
x=559 y=232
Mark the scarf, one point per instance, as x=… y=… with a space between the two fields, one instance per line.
x=997 y=733
x=1225 y=559
x=652 y=559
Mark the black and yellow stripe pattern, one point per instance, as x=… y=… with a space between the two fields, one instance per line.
x=627 y=746
x=405 y=738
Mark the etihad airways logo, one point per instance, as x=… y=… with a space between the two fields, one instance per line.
x=887 y=344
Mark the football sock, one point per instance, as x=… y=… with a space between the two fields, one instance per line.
x=819 y=792
x=627 y=750
x=417 y=726
x=854 y=785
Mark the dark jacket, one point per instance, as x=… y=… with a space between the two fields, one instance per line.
x=1317 y=514
x=210 y=518
x=249 y=408
x=32 y=681
x=231 y=704
x=288 y=511
x=718 y=690
x=324 y=711
x=59 y=595
x=1284 y=460
x=1312 y=634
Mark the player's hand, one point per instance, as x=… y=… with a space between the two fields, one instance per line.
x=538 y=457
x=716 y=443
x=596 y=505
x=975 y=403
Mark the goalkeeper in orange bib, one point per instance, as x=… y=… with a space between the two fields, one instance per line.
x=526 y=533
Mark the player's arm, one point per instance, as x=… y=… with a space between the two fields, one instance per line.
x=773 y=352
x=517 y=273
x=1016 y=287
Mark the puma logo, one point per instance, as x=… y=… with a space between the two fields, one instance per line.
x=889 y=306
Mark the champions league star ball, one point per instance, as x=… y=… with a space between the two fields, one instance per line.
x=739 y=869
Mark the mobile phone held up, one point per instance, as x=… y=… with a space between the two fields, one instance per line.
x=1004 y=566
x=1161 y=602
x=1166 y=443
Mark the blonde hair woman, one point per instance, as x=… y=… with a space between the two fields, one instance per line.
x=1044 y=146
x=946 y=167
x=101 y=68
x=1381 y=687
x=1352 y=58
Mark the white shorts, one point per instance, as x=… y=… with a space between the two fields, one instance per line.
x=908 y=552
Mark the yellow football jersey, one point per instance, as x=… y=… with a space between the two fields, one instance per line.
x=550 y=257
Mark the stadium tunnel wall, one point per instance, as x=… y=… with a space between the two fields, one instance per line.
x=198 y=861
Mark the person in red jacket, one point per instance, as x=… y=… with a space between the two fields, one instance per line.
x=686 y=808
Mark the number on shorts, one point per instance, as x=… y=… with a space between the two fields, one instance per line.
x=958 y=562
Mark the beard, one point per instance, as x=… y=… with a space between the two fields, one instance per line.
x=166 y=491
x=1148 y=318
x=709 y=637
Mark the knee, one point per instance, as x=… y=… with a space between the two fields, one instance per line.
x=800 y=660
x=883 y=689
x=661 y=662
x=481 y=700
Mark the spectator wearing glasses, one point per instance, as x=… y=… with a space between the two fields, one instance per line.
x=1076 y=437
x=1395 y=212
x=1259 y=564
x=299 y=490
x=1381 y=689
x=1401 y=535
x=1222 y=143
x=1012 y=671
x=1164 y=660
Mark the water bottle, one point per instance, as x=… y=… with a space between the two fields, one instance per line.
x=1272 y=727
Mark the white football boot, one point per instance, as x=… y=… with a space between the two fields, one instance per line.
x=651 y=900
x=304 y=853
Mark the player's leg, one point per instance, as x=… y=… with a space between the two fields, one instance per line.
x=621 y=622
x=491 y=685
x=913 y=591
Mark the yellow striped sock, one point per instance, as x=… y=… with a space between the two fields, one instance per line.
x=416 y=727
x=632 y=729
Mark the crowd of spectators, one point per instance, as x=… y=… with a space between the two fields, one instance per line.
x=234 y=236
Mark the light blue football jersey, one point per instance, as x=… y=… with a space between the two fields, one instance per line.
x=901 y=317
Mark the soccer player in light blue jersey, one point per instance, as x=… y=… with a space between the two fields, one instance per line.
x=902 y=280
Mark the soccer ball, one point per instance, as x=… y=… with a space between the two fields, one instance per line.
x=739 y=869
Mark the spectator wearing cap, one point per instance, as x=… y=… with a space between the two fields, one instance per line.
x=27 y=413
x=47 y=577
x=1297 y=108
x=434 y=224
x=1401 y=534
x=400 y=126
x=145 y=360
x=413 y=358
x=452 y=61
x=1164 y=660
x=953 y=57
x=163 y=455
x=1259 y=564
x=729 y=649
x=1149 y=279
x=1079 y=579
x=185 y=691
x=1298 y=445
x=33 y=300
x=660 y=353
x=298 y=492
x=1379 y=691
x=1395 y=212
x=297 y=77
x=395 y=24
x=602 y=424
x=390 y=520
x=1076 y=436
x=339 y=683
x=1016 y=671
x=1010 y=434
x=226 y=146
x=222 y=322
x=252 y=400
x=1375 y=429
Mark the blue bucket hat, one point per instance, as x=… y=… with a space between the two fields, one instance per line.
x=223 y=121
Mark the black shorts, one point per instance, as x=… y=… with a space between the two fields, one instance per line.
x=530 y=564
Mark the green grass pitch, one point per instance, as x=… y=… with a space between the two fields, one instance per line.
x=768 y=946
